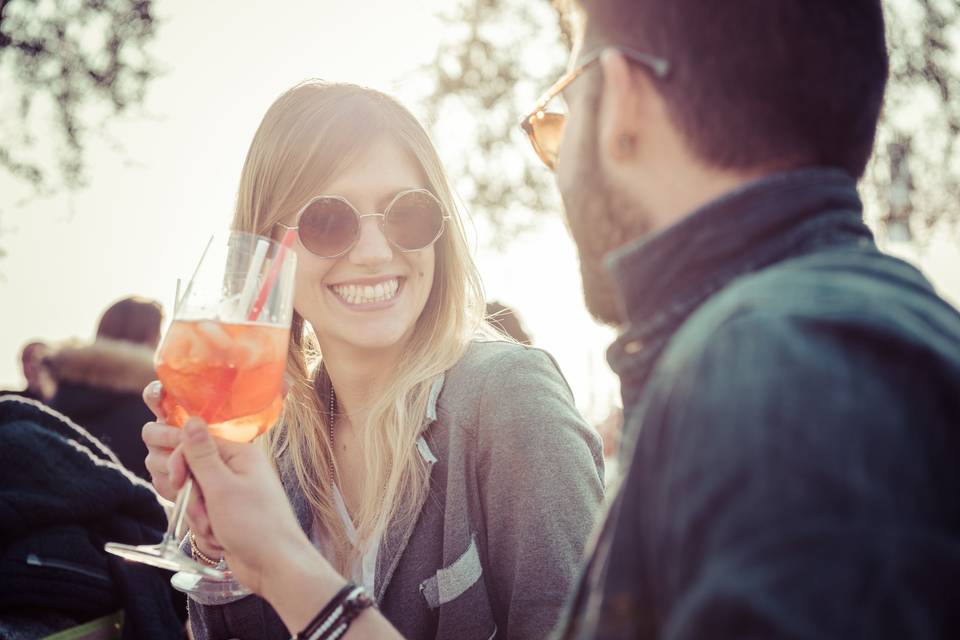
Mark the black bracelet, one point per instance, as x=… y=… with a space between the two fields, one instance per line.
x=353 y=606
x=335 y=618
x=324 y=613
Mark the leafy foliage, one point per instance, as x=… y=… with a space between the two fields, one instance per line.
x=78 y=63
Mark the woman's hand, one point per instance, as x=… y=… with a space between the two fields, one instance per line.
x=161 y=440
x=264 y=544
x=238 y=491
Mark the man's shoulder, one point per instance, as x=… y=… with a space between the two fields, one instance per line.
x=818 y=341
x=828 y=293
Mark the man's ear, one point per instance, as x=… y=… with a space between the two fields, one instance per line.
x=625 y=97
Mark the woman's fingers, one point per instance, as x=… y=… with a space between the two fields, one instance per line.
x=156 y=464
x=197 y=512
x=199 y=523
x=160 y=439
x=160 y=435
x=152 y=394
x=177 y=468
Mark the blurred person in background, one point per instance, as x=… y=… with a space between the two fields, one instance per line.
x=100 y=384
x=40 y=384
x=506 y=320
x=610 y=429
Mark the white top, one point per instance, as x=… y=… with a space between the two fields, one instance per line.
x=364 y=572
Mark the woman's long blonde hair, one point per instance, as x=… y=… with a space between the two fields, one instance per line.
x=310 y=134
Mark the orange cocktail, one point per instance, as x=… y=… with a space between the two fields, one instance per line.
x=229 y=374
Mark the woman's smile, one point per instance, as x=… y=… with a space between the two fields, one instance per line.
x=368 y=294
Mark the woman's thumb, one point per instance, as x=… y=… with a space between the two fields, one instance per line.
x=202 y=454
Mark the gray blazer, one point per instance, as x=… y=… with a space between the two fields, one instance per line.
x=516 y=479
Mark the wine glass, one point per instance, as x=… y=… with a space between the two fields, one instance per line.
x=223 y=359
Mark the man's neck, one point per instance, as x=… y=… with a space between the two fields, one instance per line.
x=681 y=192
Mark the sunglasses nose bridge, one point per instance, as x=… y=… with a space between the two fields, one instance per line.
x=369 y=245
x=381 y=223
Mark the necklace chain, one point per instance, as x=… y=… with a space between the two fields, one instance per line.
x=333 y=406
x=331 y=422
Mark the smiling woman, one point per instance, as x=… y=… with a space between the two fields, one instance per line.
x=437 y=465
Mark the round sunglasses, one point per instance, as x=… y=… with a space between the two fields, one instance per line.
x=329 y=226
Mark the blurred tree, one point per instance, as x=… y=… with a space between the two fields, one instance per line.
x=495 y=61
x=914 y=178
x=500 y=54
x=77 y=62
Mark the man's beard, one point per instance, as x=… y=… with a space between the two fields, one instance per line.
x=600 y=219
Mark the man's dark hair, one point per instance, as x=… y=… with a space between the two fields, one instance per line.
x=760 y=83
x=132 y=319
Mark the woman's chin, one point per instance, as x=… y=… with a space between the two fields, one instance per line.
x=374 y=338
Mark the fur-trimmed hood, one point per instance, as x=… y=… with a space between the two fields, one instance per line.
x=105 y=364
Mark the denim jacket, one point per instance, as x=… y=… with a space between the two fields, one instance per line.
x=791 y=456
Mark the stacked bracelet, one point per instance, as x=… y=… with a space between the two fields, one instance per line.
x=200 y=555
x=335 y=618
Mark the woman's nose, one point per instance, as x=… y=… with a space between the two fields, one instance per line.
x=372 y=248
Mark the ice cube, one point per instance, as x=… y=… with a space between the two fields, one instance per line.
x=215 y=335
x=250 y=349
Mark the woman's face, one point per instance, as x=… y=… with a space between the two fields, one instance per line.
x=372 y=296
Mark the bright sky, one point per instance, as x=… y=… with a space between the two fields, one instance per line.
x=147 y=214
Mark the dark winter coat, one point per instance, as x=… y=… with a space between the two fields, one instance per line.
x=99 y=387
x=62 y=496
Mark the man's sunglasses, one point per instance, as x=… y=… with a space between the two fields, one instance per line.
x=329 y=226
x=545 y=128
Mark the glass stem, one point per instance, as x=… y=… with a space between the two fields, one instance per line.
x=179 y=511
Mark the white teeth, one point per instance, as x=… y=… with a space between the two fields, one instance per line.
x=361 y=294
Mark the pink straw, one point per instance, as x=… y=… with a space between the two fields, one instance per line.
x=267 y=287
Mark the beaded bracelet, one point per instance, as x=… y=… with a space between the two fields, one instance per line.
x=200 y=555
x=335 y=618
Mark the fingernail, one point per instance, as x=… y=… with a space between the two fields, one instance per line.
x=153 y=389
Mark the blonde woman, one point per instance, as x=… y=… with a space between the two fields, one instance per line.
x=440 y=468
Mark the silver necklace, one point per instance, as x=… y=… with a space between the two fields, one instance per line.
x=332 y=421
x=333 y=406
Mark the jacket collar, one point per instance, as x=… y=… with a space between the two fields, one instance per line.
x=663 y=278
x=396 y=537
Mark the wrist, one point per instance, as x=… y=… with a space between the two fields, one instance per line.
x=204 y=553
x=298 y=582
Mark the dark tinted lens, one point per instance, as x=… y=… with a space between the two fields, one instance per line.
x=414 y=220
x=328 y=227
